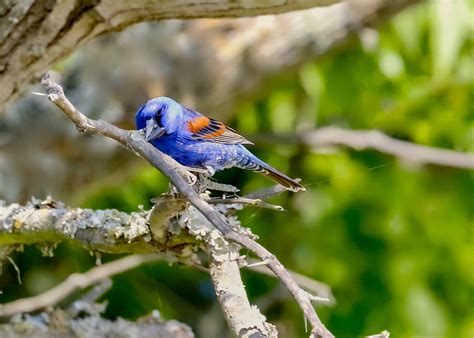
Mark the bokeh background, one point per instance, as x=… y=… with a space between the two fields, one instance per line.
x=392 y=238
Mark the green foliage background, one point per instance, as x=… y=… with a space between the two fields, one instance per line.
x=393 y=239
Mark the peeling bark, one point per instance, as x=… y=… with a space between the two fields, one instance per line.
x=230 y=291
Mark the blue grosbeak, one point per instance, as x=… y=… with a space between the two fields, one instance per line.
x=197 y=141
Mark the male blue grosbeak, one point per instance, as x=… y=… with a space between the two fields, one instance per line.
x=197 y=141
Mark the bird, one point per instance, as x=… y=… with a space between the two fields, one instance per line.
x=199 y=142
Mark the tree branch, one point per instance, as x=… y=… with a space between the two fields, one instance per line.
x=244 y=319
x=247 y=201
x=59 y=323
x=135 y=141
x=373 y=139
x=35 y=34
x=48 y=222
x=73 y=283
x=112 y=231
x=238 y=57
x=37 y=37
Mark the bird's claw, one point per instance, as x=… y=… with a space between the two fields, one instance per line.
x=210 y=171
x=192 y=179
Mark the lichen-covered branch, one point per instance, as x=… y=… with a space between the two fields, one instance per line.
x=160 y=230
x=243 y=318
x=230 y=234
x=59 y=323
x=49 y=222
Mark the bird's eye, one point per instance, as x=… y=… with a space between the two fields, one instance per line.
x=158 y=116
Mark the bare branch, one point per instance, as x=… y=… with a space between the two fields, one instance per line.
x=376 y=140
x=92 y=295
x=74 y=282
x=373 y=139
x=170 y=168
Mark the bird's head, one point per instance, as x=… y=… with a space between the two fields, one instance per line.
x=158 y=116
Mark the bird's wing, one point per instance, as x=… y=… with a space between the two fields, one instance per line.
x=208 y=129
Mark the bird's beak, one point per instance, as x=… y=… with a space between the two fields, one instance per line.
x=152 y=130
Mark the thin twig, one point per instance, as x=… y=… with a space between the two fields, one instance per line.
x=18 y=273
x=311 y=285
x=383 y=334
x=247 y=201
x=255 y=198
x=91 y=296
x=176 y=174
x=73 y=283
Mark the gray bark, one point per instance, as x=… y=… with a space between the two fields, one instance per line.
x=48 y=222
x=34 y=35
x=58 y=324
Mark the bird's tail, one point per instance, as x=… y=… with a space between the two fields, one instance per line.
x=253 y=163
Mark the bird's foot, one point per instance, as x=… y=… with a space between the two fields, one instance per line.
x=210 y=170
x=192 y=179
x=194 y=174
x=211 y=185
x=202 y=181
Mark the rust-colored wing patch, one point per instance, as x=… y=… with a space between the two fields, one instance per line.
x=208 y=129
x=214 y=133
x=198 y=124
